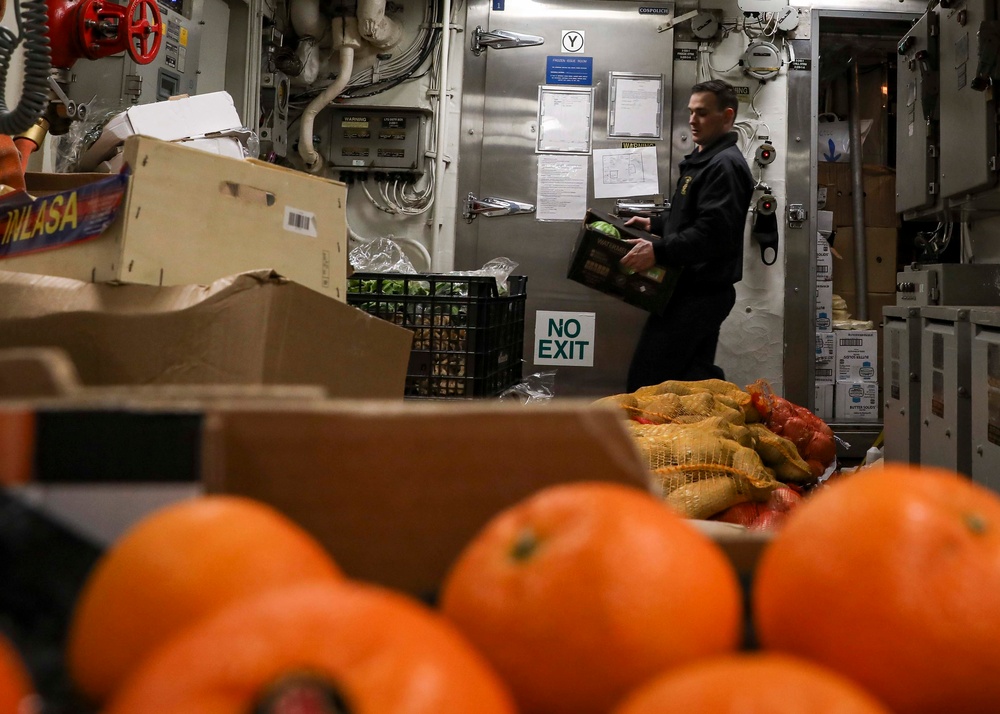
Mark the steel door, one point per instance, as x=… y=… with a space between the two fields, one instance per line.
x=499 y=159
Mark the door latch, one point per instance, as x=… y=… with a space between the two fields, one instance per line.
x=501 y=40
x=492 y=207
x=797 y=215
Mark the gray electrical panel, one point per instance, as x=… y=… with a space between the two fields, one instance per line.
x=986 y=397
x=968 y=119
x=948 y=284
x=945 y=384
x=917 y=118
x=117 y=82
x=376 y=139
x=901 y=383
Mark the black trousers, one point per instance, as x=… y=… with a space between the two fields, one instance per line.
x=680 y=343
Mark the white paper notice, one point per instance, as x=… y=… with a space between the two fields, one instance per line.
x=636 y=108
x=625 y=172
x=562 y=188
x=565 y=120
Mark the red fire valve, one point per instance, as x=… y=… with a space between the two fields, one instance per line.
x=93 y=29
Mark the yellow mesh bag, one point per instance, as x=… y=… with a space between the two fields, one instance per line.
x=705 y=467
x=780 y=454
x=654 y=403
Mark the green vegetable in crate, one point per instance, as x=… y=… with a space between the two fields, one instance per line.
x=604 y=227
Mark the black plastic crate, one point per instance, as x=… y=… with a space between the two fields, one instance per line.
x=467 y=338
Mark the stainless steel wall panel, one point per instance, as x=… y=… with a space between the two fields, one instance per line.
x=499 y=128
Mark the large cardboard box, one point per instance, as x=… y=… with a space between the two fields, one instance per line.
x=253 y=328
x=395 y=492
x=880 y=254
x=880 y=194
x=191 y=217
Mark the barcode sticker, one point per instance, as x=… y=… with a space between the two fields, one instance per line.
x=299 y=221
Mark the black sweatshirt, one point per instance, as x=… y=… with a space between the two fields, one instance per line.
x=704 y=230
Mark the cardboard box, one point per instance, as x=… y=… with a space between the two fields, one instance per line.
x=824 y=305
x=191 y=218
x=824 y=259
x=825 y=345
x=400 y=516
x=856 y=401
x=876 y=301
x=595 y=264
x=824 y=223
x=880 y=254
x=879 y=188
x=826 y=370
x=824 y=402
x=857 y=355
x=172 y=120
x=254 y=328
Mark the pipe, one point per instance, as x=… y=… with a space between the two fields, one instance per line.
x=374 y=27
x=344 y=37
x=858 y=193
x=443 y=259
x=307 y=20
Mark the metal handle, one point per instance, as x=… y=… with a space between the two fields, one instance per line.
x=501 y=40
x=490 y=206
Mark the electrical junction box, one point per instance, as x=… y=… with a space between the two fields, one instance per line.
x=985 y=396
x=945 y=386
x=376 y=139
x=901 y=383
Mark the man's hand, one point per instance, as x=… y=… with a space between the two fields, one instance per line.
x=640 y=221
x=641 y=256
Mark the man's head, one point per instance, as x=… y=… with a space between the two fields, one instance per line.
x=712 y=109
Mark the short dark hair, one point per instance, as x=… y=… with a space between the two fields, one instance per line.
x=725 y=95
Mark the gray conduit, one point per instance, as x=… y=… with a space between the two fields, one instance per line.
x=858 y=194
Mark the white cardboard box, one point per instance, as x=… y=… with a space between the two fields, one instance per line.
x=824 y=259
x=825 y=345
x=826 y=370
x=190 y=218
x=824 y=401
x=824 y=222
x=856 y=401
x=169 y=121
x=824 y=305
x=857 y=355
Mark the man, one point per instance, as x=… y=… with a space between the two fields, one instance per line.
x=703 y=235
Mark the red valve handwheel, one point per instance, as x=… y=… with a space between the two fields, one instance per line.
x=143 y=30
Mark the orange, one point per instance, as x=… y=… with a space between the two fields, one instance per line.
x=16 y=690
x=891 y=577
x=175 y=566
x=751 y=684
x=299 y=648
x=582 y=591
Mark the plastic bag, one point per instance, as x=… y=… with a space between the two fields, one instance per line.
x=533 y=389
x=381 y=255
x=497 y=268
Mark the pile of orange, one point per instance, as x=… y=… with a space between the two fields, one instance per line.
x=877 y=596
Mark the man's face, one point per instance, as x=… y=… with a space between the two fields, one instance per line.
x=708 y=122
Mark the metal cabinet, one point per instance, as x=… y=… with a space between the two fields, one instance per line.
x=901 y=383
x=945 y=404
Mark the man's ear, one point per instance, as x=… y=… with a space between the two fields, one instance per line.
x=730 y=115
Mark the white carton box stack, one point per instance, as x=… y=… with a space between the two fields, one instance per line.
x=826 y=366
x=857 y=375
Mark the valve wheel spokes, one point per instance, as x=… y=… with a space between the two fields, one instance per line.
x=143 y=30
